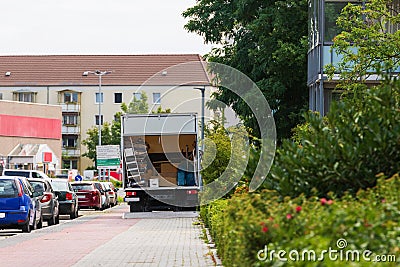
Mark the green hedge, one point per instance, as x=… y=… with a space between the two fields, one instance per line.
x=246 y=223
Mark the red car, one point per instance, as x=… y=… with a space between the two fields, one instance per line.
x=88 y=196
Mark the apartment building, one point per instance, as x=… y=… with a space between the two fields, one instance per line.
x=169 y=81
x=322 y=30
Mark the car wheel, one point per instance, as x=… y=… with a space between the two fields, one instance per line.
x=35 y=223
x=52 y=220
x=26 y=228
x=40 y=223
x=74 y=214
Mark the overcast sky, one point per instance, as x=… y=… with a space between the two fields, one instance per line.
x=31 y=27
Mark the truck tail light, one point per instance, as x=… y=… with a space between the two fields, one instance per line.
x=130 y=193
x=191 y=192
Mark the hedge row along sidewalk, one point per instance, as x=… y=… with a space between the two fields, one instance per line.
x=249 y=226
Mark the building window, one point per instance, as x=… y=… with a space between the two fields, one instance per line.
x=313 y=23
x=70 y=141
x=70 y=164
x=70 y=97
x=137 y=96
x=394 y=10
x=97 y=119
x=332 y=12
x=24 y=97
x=70 y=119
x=99 y=98
x=156 y=98
x=117 y=98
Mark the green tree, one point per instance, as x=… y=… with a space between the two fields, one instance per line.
x=92 y=139
x=137 y=106
x=369 y=42
x=111 y=132
x=359 y=137
x=160 y=110
x=224 y=159
x=267 y=41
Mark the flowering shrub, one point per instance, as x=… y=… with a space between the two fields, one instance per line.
x=246 y=223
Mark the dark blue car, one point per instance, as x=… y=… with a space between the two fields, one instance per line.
x=18 y=205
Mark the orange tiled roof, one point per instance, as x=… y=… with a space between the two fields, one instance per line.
x=54 y=70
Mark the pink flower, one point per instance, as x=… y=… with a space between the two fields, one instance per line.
x=289 y=216
x=323 y=201
x=383 y=200
x=265 y=229
x=298 y=208
x=329 y=202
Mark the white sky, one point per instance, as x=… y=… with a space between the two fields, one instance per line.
x=32 y=27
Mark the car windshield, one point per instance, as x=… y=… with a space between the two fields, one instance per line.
x=8 y=189
x=83 y=187
x=17 y=173
x=59 y=185
x=37 y=186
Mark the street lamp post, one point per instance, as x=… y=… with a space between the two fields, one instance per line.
x=202 y=89
x=100 y=74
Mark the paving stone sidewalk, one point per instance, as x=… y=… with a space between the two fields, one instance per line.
x=158 y=239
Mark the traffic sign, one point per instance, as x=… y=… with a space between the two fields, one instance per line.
x=108 y=157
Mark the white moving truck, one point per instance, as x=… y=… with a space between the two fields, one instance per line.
x=160 y=161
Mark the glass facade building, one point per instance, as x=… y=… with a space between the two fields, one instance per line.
x=322 y=28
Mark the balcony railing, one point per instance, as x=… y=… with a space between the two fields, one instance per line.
x=329 y=55
x=70 y=107
x=70 y=129
x=71 y=152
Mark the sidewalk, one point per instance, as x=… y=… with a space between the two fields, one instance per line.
x=156 y=239
x=106 y=239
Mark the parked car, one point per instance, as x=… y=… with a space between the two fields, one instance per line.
x=62 y=176
x=88 y=195
x=111 y=193
x=19 y=204
x=25 y=173
x=48 y=200
x=105 y=200
x=67 y=198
